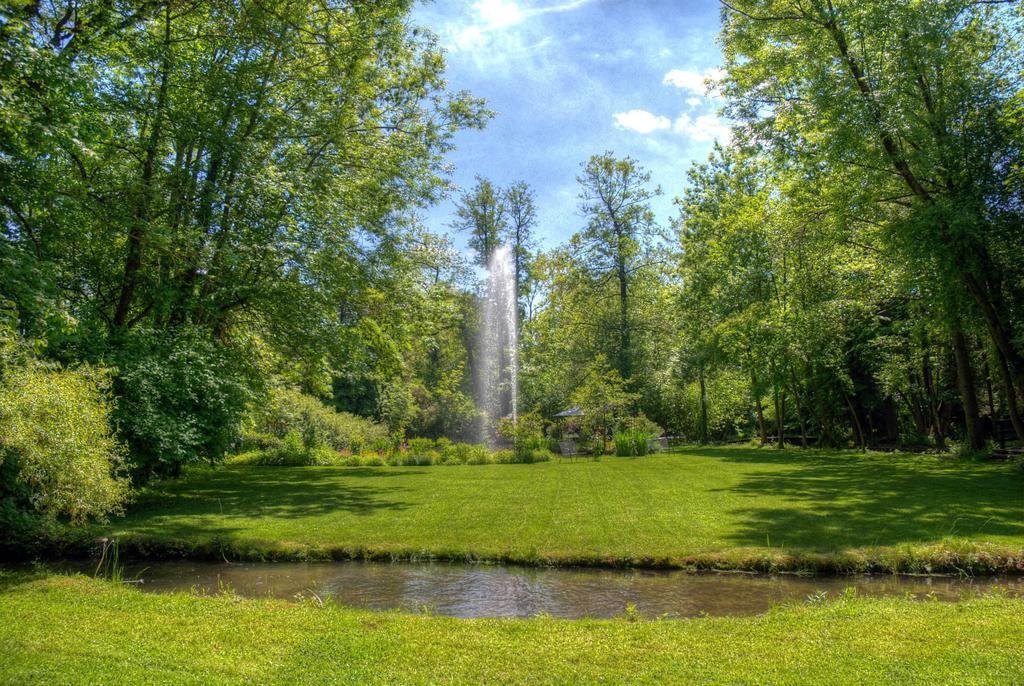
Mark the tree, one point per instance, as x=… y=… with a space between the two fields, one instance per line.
x=616 y=203
x=603 y=397
x=522 y=221
x=481 y=212
x=918 y=122
x=235 y=172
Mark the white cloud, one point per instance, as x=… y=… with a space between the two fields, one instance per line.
x=496 y=14
x=489 y=16
x=698 y=83
x=641 y=121
x=468 y=37
x=706 y=128
x=694 y=101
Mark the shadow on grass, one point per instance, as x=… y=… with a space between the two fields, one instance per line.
x=836 y=501
x=208 y=503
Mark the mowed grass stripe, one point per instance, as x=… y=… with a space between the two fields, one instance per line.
x=694 y=502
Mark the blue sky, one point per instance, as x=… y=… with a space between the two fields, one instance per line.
x=571 y=78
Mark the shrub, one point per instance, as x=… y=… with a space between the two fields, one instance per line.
x=479 y=454
x=541 y=455
x=526 y=434
x=456 y=453
x=288 y=410
x=58 y=453
x=623 y=444
x=371 y=460
x=181 y=399
x=422 y=450
x=293 y=451
x=258 y=441
x=408 y=458
x=631 y=442
x=504 y=456
x=247 y=457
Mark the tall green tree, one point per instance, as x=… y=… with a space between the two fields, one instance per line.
x=482 y=212
x=615 y=200
x=907 y=102
x=522 y=225
x=236 y=170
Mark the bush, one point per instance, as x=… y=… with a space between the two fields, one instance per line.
x=541 y=455
x=456 y=453
x=526 y=434
x=408 y=458
x=479 y=454
x=623 y=444
x=631 y=442
x=504 y=456
x=58 y=453
x=420 y=451
x=294 y=452
x=371 y=460
x=287 y=410
x=259 y=441
x=181 y=399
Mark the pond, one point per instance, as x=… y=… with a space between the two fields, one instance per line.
x=462 y=590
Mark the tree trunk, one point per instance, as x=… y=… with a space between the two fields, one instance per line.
x=798 y=400
x=892 y=421
x=858 y=430
x=141 y=218
x=1011 y=396
x=762 y=430
x=624 y=334
x=703 y=407
x=780 y=425
x=968 y=395
x=933 y=404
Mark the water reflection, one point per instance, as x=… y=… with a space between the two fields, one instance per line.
x=495 y=591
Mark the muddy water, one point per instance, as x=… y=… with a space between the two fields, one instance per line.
x=494 y=591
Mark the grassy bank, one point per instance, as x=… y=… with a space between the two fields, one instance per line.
x=714 y=507
x=74 y=630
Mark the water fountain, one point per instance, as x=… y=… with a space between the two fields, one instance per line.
x=497 y=378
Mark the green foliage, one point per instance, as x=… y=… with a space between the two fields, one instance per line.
x=603 y=397
x=478 y=454
x=182 y=397
x=58 y=453
x=504 y=456
x=291 y=451
x=541 y=455
x=456 y=453
x=176 y=180
x=481 y=213
x=287 y=411
x=526 y=434
x=631 y=442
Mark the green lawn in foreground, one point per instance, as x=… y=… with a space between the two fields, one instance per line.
x=665 y=506
x=80 y=631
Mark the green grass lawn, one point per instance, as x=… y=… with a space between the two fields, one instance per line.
x=73 y=630
x=710 y=505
